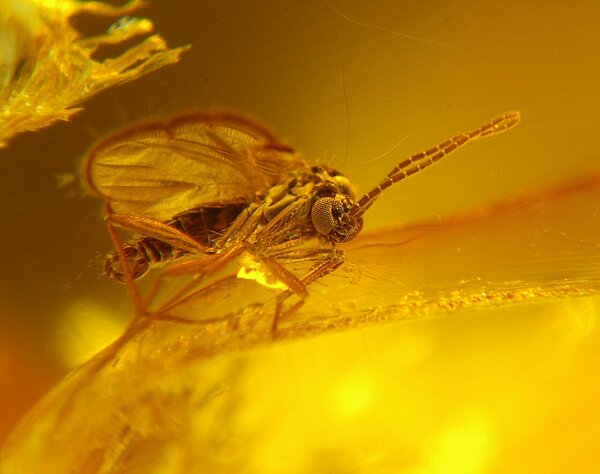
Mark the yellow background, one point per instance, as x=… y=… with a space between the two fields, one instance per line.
x=498 y=390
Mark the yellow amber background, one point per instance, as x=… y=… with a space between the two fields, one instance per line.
x=510 y=389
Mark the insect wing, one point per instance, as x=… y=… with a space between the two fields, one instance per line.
x=160 y=169
x=534 y=246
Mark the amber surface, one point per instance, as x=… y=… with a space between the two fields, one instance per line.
x=208 y=393
x=494 y=369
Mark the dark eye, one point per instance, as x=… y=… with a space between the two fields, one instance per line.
x=321 y=215
x=316 y=169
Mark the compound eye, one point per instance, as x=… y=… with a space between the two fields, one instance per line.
x=322 y=214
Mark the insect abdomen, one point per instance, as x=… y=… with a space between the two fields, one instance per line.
x=204 y=225
x=140 y=255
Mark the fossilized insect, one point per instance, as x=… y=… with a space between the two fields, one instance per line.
x=213 y=186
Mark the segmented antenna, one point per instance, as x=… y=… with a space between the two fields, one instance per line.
x=422 y=160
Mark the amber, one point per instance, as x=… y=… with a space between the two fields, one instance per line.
x=207 y=380
x=47 y=67
x=468 y=343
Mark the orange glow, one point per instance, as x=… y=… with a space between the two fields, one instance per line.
x=460 y=335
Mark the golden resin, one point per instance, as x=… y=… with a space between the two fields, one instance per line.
x=459 y=336
x=47 y=69
x=211 y=391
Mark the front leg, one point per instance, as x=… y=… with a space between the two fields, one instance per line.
x=327 y=264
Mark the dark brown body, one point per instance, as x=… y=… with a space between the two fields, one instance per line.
x=204 y=225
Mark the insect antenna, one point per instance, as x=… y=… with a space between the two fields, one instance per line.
x=422 y=160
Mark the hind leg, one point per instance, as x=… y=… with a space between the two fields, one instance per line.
x=198 y=269
x=148 y=228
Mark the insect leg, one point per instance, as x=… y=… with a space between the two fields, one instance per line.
x=328 y=264
x=134 y=292
x=243 y=226
x=147 y=228
x=285 y=276
x=158 y=230
x=201 y=293
x=198 y=267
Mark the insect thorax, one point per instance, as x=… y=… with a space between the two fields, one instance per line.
x=326 y=196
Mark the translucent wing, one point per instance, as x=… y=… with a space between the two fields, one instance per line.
x=160 y=169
